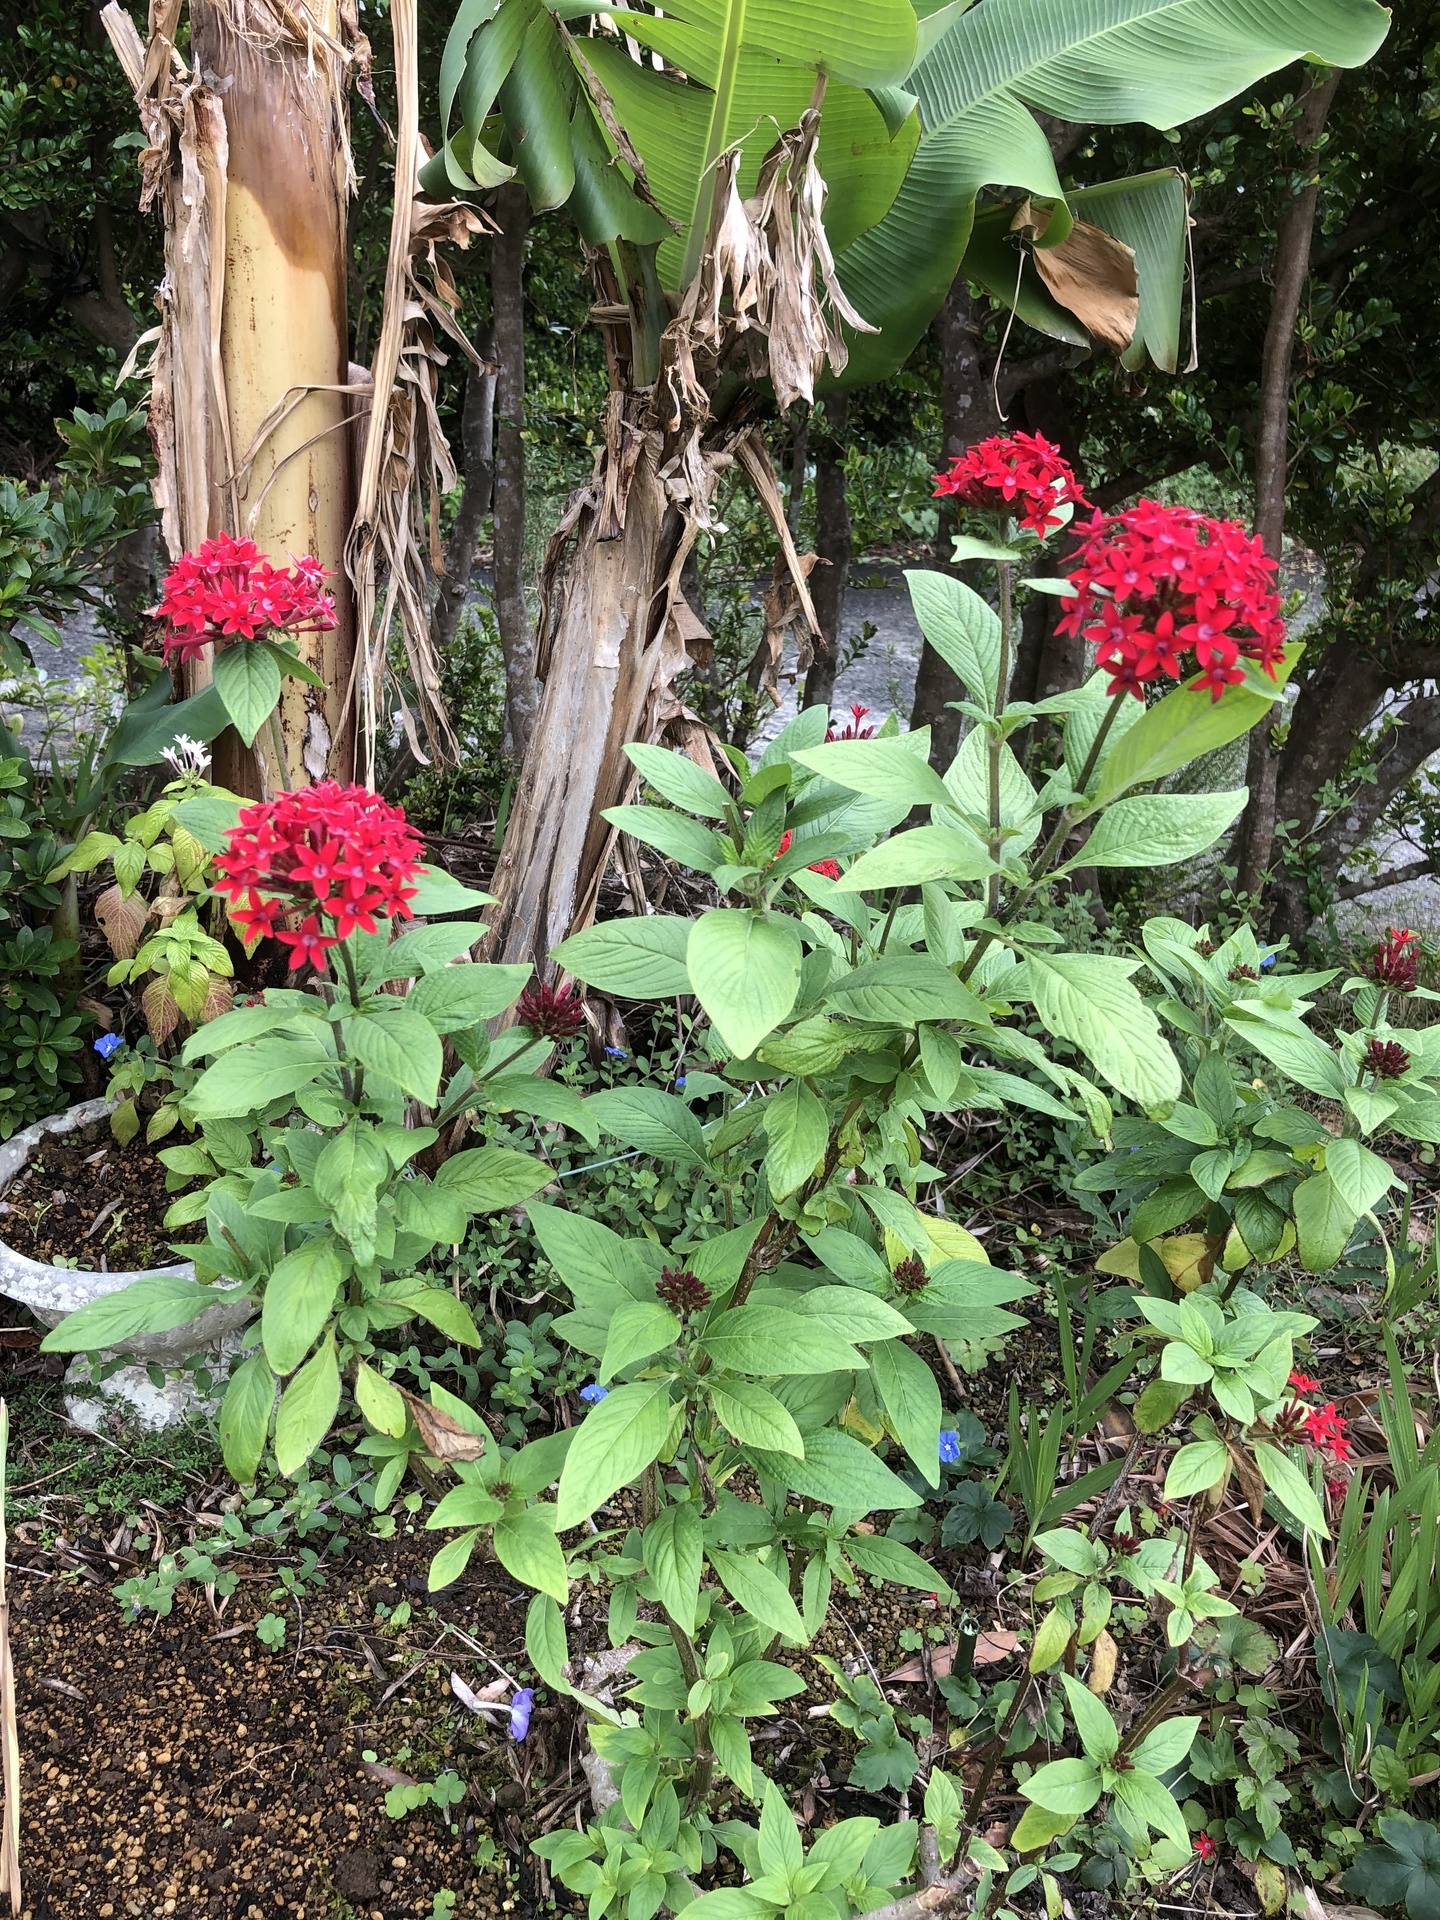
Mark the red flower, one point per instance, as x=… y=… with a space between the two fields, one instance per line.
x=227 y=587
x=682 y=1291
x=1386 y=1059
x=1156 y=585
x=1392 y=964
x=1302 y=1383
x=340 y=854
x=551 y=1013
x=1020 y=473
x=1325 y=1430
x=854 y=731
x=830 y=868
x=784 y=846
x=1205 y=1847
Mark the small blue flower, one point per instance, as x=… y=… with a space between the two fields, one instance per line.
x=521 y=1707
x=679 y=1079
x=949 y=1447
x=1268 y=961
x=616 y=1053
x=594 y=1393
x=109 y=1043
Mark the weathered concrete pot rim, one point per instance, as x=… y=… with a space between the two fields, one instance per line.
x=52 y=1292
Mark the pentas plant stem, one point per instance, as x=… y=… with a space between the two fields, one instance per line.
x=995 y=745
x=997 y=1753
x=1052 y=846
x=352 y=986
x=277 y=747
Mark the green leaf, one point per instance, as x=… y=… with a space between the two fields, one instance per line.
x=545 y=1644
x=675 y=835
x=674 y=1549
x=760 y=1592
x=468 y=1505
x=525 y=1545
x=1323 y=1223
x=910 y=1396
x=911 y=859
x=545 y=1099
x=1299 y=1054
x=1196 y=1468
x=1291 y=1488
x=380 y=1402
x=769 y=1340
x=245 y=1417
x=640 y=959
x=307 y=1409
x=852 y=1314
x=401 y=1045
x=1360 y=1177
x=962 y=628
x=615 y=1444
x=838 y=1472
x=1144 y=1796
x=756 y=1418
x=1064 y=1786
x=154 y=1305
x=797 y=1129
x=592 y=1260
x=1166 y=1746
x=779 y=1849
x=904 y=988
x=637 y=1330
x=455 y=997
x=680 y=781
x=655 y=1122
x=888 y=1560
x=452 y=1559
x=1158 y=829
x=437 y=1305
x=248 y=1078
x=438 y=892
x=1097 y=1730
x=1088 y=998
x=1181 y=727
x=348 y=1176
x=299 y=1298
x=896 y=769
x=247 y=679
x=485 y=1178
x=745 y=971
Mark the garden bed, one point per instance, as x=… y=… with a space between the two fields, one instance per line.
x=84 y=1200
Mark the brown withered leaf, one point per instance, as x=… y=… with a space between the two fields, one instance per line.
x=1251 y=1484
x=122 y=921
x=991 y=1647
x=1090 y=273
x=162 y=1012
x=443 y=1436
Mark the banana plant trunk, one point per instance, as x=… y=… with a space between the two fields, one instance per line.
x=249 y=157
x=612 y=635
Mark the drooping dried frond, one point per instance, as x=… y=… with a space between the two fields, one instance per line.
x=393 y=551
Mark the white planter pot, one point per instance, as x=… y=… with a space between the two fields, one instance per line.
x=52 y=1292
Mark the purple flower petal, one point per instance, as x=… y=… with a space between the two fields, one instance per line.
x=521 y=1707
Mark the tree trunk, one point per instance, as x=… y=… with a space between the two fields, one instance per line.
x=600 y=627
x=832 y=547
x=512 y=616
x=477 y=454
x=250 y=163
x=968 y=414
x=1272 y=447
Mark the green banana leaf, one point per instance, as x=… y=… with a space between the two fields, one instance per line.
x=1157 y=61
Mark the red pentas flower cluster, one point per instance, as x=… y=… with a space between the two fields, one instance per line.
x=852 y=730
x=1018 y=473
x=551 y=1013
x=228 y=589
x=332 y=854
x=1156 y=584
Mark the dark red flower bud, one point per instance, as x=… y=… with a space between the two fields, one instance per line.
x=910 y=1276
x=1386 y=1059
x=681 y=1291
x=551 y=1013
x=1242 y=972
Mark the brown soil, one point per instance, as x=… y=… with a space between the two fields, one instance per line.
x=179 y=1766
x=90 y=1202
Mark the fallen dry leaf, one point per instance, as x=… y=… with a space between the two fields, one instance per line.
x=443 y=1437
x=990 y=1647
